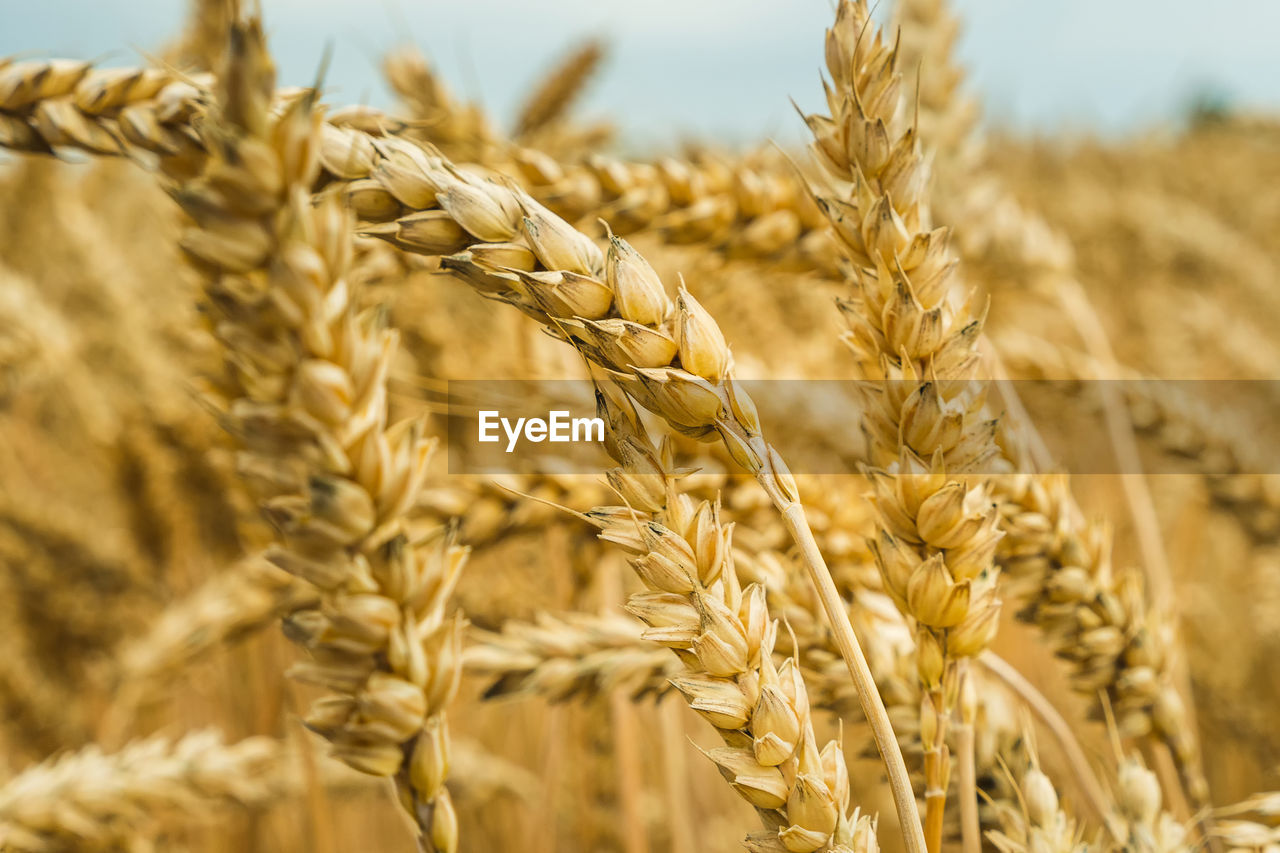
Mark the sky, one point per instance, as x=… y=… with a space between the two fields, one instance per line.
x=728 y=69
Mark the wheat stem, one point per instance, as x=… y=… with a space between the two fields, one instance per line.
x=967 y=789
x=872 y=705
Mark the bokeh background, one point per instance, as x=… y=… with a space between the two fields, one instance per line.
x=724 y=70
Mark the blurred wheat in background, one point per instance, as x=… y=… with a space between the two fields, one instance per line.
x=247 y=607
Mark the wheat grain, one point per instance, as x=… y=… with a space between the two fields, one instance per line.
x=1037 y=821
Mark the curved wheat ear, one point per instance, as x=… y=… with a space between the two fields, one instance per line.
x=306 y=384
x=755 y=208
x=91 y=799
x=614 y=309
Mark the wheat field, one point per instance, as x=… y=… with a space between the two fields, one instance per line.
x=254 y=598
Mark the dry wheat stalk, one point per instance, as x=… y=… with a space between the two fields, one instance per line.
x=306 y=374
x=91 y=800
x=911 y=330
x=614 y=309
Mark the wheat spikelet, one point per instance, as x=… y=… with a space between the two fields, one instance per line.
x=1036 y=821
x=1143 y=826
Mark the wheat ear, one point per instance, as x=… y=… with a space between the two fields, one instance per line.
x=553 y=96
x=47 y=104
x=306 y=383
x=994 y=219
x=754 y=208
x=89 y=798
x=911 y=329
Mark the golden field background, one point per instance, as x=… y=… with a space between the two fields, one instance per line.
x=117 y=503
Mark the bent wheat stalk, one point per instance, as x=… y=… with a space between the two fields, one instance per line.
x=614 y=309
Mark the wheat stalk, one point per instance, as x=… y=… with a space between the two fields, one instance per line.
x=996 y=220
